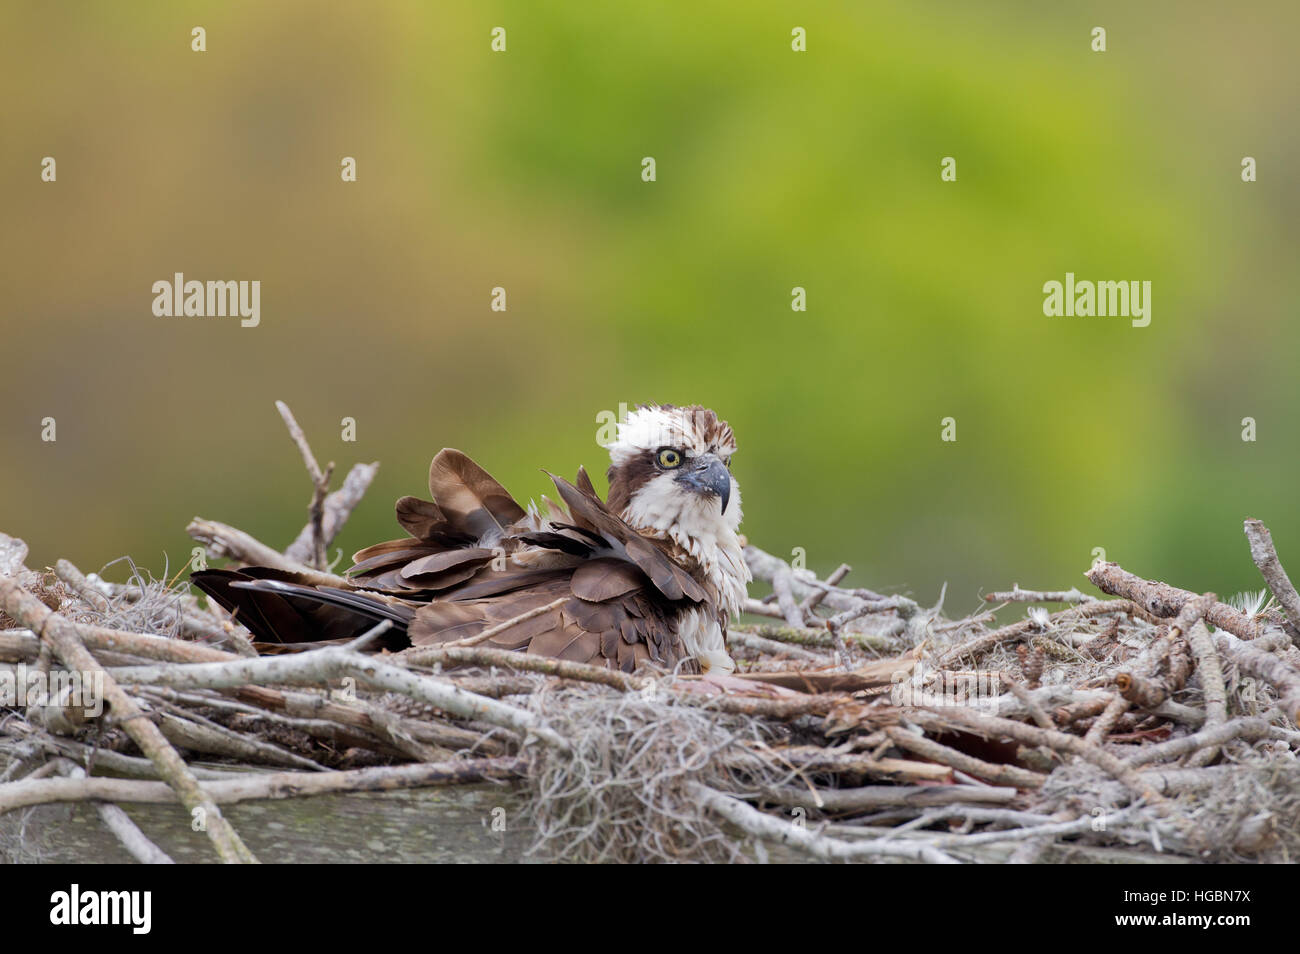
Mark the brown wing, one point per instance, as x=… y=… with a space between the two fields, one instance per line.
x=471 y=519
x=621 y=621
x=622 y=592
x=654 y=557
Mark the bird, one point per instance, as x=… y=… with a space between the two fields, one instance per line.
x=647 y=578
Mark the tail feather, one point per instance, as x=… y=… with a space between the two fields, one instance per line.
x=276 y=609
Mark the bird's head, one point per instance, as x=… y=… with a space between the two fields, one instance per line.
x=670 y=475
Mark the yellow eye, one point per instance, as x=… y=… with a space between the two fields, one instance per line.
x=669 y=458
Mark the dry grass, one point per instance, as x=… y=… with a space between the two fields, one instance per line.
x=621 y=794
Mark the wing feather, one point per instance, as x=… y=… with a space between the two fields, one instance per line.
x=470 y=497
x=673 y=580
x=606 y=578
x=419 y=517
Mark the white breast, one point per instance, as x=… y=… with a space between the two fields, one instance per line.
x=701 y=637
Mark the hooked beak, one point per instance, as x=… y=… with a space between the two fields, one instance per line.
x=708 y=475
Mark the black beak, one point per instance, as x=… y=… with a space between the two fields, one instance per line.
x=708 y=475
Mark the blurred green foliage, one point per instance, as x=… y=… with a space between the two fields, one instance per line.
x=775 y=169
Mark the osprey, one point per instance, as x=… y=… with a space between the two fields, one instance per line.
x=649 y=576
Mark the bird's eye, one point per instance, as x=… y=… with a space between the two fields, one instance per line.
x=669 y=458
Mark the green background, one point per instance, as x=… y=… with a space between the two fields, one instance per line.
x=775 y=169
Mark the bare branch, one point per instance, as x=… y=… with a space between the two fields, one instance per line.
x=1270 y=567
